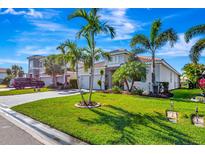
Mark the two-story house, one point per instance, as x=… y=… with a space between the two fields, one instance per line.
x=164 y=72
x=36 y=70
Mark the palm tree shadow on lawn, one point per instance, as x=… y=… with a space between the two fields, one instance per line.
x=126 y=123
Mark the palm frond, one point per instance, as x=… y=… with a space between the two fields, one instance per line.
x=79 y=13
x=196 y=50
x=140 y=39
x=167 y=36
x=155 y=28
x=194 y=31
x=108 y=29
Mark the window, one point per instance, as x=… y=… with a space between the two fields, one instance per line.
x=170 y=76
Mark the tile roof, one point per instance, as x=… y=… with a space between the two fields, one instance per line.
x=146 y=59
x=3 y=70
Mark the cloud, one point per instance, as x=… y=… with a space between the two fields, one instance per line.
x=48 y=26
x=170 y=16
x=181 y=48
x=121 y=22
x=35 y=50
x=12 y=61
x=29 y=13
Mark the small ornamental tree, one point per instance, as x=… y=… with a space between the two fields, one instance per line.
x=129 y=73
x=193 y=72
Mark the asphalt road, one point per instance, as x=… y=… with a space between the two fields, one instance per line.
x=10 y=134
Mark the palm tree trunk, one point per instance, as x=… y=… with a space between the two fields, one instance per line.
x=92 y=69
x=153 y=70
x=79 y=87
x=65 y=71
x=91 y=82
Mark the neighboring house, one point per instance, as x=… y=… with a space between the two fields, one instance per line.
x=3 y=74
x=36 y=70
x=164 y=72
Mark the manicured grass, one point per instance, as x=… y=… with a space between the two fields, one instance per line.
x=122 y=119
x=21 y=91
x=185 y=94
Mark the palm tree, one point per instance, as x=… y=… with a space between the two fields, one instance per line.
x=15 y=71
x=53 y=67
x=198 y=47
x=89 y=59
x=75 y=55
x=92 y=28
x=156 y=40
x=61 y=47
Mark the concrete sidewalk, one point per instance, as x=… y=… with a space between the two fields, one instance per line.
x=14 y=100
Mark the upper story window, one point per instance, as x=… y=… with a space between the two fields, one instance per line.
x=117 y=59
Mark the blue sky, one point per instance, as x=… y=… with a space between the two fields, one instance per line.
x=25 y=32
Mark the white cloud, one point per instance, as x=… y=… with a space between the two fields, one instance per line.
x=12 y=61
x=121 y=22
x=29 y=13
x=181 y=48
x=35 y=50
x=48 y=26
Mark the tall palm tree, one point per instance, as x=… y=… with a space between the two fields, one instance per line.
x=92 y=28
x=62 y=57
x=75 y=55
x=53 y=67
x=198 y=47
x=151 y=44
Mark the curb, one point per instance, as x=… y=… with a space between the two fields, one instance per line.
x=43 y=133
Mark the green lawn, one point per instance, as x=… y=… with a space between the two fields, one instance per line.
x=21 y=91
x=122 y=119
x=185 y=94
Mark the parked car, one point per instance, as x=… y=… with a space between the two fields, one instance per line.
x=21 y=83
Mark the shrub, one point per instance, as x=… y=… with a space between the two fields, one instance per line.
x=73 y=84
x=165 y=86
x=116 y=89
x=99 y=83
x=7 y=80
x=137 y=92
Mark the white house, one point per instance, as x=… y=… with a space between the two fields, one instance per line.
x=164 y=72
x=36 y=70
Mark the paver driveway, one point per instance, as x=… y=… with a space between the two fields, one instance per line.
x=10 y=134
x=24 y=98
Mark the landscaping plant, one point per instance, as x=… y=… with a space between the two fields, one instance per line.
x=198 y=47
x=156 y=40
x=93 y=26
x=130 y=72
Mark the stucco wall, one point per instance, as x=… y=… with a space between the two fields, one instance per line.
x=167 y=75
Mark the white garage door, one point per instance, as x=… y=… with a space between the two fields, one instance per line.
x=84 y=81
